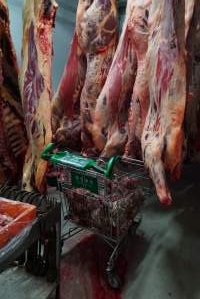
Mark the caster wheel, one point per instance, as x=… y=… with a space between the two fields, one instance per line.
x=29 y=266
x=43 y=269
x=51 y=275
x=38 y=265
x=138 y=218
x=113 y=280
x=132 y=230
x=134 y=226
x=21 y=260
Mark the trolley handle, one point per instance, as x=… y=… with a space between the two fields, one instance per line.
x=109 y=166
x=47 y=151
x=48 y=155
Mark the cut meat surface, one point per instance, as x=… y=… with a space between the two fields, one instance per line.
x=140 y=97
x=111 y=113
x=111 y=127
x=35 y=87
x=97 y=32
x=13 y=142
x=162 y=138
x=66 y=126
x=90 y=57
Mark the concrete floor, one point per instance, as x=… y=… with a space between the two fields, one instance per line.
x=164 y=261
x=161 y=262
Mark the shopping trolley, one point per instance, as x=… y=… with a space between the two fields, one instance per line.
x=104 y=196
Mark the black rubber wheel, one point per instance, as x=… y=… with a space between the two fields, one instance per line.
x=37 y=266
x=132 y=230
x=29 y=266
x=43 y=269
x=113 y=280
x=51 y=275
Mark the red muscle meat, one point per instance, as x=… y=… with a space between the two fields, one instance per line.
x=162 y=138
x=140 y=98
x=13 y=142
x=66 y=126
x=35 y=87
x=111 y=113
x=97 y=31
x=90 y=57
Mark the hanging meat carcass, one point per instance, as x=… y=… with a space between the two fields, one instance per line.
x=97 y=31
x=13 y=142
x=111 y=113
x=192 y=115
x=90 y=57
x=162 y=139
x=66 y=126
x=113 y=103
x=140 y=97
x=36 y=87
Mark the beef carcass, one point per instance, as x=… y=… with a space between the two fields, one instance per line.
x=13 y=142
x=90 y=57
x=35 y=86
x=97 y=32
x=162 y=138
x=111 y=113
x=66 y=126
x=192 y=115
x=140 y=98
x=114 y=100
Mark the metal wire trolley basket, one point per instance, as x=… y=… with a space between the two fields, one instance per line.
x=103 y=196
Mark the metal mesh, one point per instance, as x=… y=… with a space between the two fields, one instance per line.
x=111 y=210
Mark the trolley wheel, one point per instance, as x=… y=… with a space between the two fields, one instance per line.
x=29 y=266
x=113 y=280
x=132 y=230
